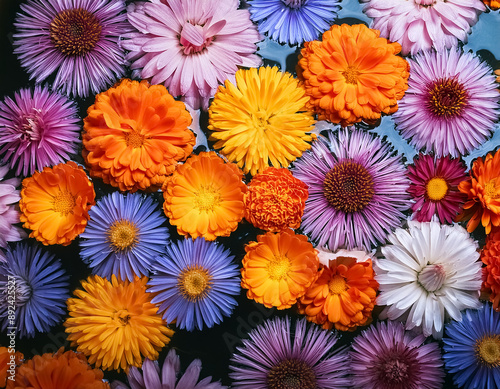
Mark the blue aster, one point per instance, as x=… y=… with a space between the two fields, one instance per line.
x=123 y=236
x=293 y=21
x=36 y=285
x=196 y=282
x=472 y=349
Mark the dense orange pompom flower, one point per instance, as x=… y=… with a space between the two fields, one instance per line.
x=275 y=200
x=8 y=364
x=55 y=203
x=483 y=191
x=61 y=370
x=135 y=134
x=353 y=75
x=490 y=255
x=493 y=4
x=344 y=293
x=204 y=197
x=115 y=324
x=497 y=72
x=278 y=268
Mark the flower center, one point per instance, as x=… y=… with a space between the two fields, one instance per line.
x=436 y=188
x=259 y=120
x=351 y=75
x=348 y=187
x=278 y=268
x=23 y=291
x=447 y=97
x=291 y=374
x=31 y=126
x=121 y=317
x=294 y=3
x=122 y=234
x=425 y=3
x=432 y=277
x=337 y=285
x=64 y=202
x=75 y=32
x=491 y=190
x=394 y=371
x=488 y=350
x=194 y=38
x=207 y=198
x=134 y=139
x=194 y=283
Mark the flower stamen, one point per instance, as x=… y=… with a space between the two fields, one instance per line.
x=447 y=97
x=64 y=202
x=194 y=283
x=291 y=374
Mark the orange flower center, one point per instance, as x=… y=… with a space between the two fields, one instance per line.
x=278 y=268
x=121 y=317
x=291 y=374
x=134 y=139
x=447 y=97
x=432 y=277
x=436 y=188
x=491 y=190
x=64 y=202
x=259 y=120
x=194 y=283
x=75 y=32
x=351 y=75
x=207 y=198
x=348 y=187
x=337 y=285
x=122 y=234
x=488 y=350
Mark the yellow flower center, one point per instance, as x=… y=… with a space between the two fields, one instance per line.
x=278 y=268
x=488 y=350
x=194 y=283
x=260 y=120
x=351 y=75
x=447 y=97
x=122 y=234
x=121 y=317
x=134 y=139
x=436 y=188
x=337 y=285
x=64 y=202
x=491 y=190
x=207 y=198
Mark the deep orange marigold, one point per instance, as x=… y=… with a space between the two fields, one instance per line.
x=344 y=293
x=55 y=203
x=135 y=134
x=493 y=4
x=490 y=255
x=483 y=191
x=275 y=200
x=278 y=268
x=204 y=197
x=353 y=75
x=8 y=361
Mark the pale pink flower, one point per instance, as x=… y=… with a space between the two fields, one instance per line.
x=9 y=214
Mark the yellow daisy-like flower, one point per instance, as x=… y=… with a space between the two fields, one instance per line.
x=115 y=324
x=260 y=120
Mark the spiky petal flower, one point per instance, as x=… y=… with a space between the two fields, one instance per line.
x=9 y=212
x=451 y=103
x=430 y=273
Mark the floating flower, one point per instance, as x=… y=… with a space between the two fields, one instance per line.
x=430 y=272
x=353 y=75
x=9 y=214
x=123 y=236
x=38 y=128
x=357 y=190
x=387 y=356
x=261 y=119
x=152 y=378
x=41 y=289
x=490 y=255
x=293 y=21
x=434 y=187
x=277 y=352
x=195 y=284
x=55 y=203
x=204 y=197
x=422 y=25
x=275 y=200
x=344 y=293
x=483 y=193
x=190 y=46
x=278 y=268
x=77 y=40
x=135 y=134
x=61 y=370
x=9 y=360
x=115 y=324
x=451 y=103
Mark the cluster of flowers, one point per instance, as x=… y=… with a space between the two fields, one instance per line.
x=344 y=224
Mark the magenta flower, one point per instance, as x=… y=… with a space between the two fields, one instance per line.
x=420 y=25
x=9 y=213
x=77 y=40
x=191 y=46
x=37 y=129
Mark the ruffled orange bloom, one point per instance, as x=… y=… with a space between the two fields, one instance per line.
x=115 y=324
x=353 y=75
x=204 y=197
x=344 y=293
x=8 y=364
x=275 y=200
x=278 y=268
x=135 y=134
x=55 y=203
x=497 y=72
x=490 y=255
x=62 y=370
x=483 y=191
x=493 y=4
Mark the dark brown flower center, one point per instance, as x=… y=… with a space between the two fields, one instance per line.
x=291 y=374
x=447 y=97
x=395 y=372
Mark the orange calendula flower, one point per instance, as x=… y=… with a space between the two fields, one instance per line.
x=61 y=370
x=275 y=200
x=8 y=364
x=204 y=197
x=497 y=72
x=278 y=268
x=493 y=4
x=483 y=191
x=490 y=255
x=353 y=75
x=344 y=293
x=135 y=134
x=55 y=203
x=115 y=324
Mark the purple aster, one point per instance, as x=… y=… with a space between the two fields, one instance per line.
x=77 y=40
x=123 y=236
x=451 y=104
x=293 y=21
x=279 y=357
x=9 y=213
x=357 y=190
x=386 y=356
x=41 y=290
x=37 y=129
x=195 y=283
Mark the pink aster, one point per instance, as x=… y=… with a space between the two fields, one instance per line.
x=419 y=25
x=191 y=46
x=9 y=214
